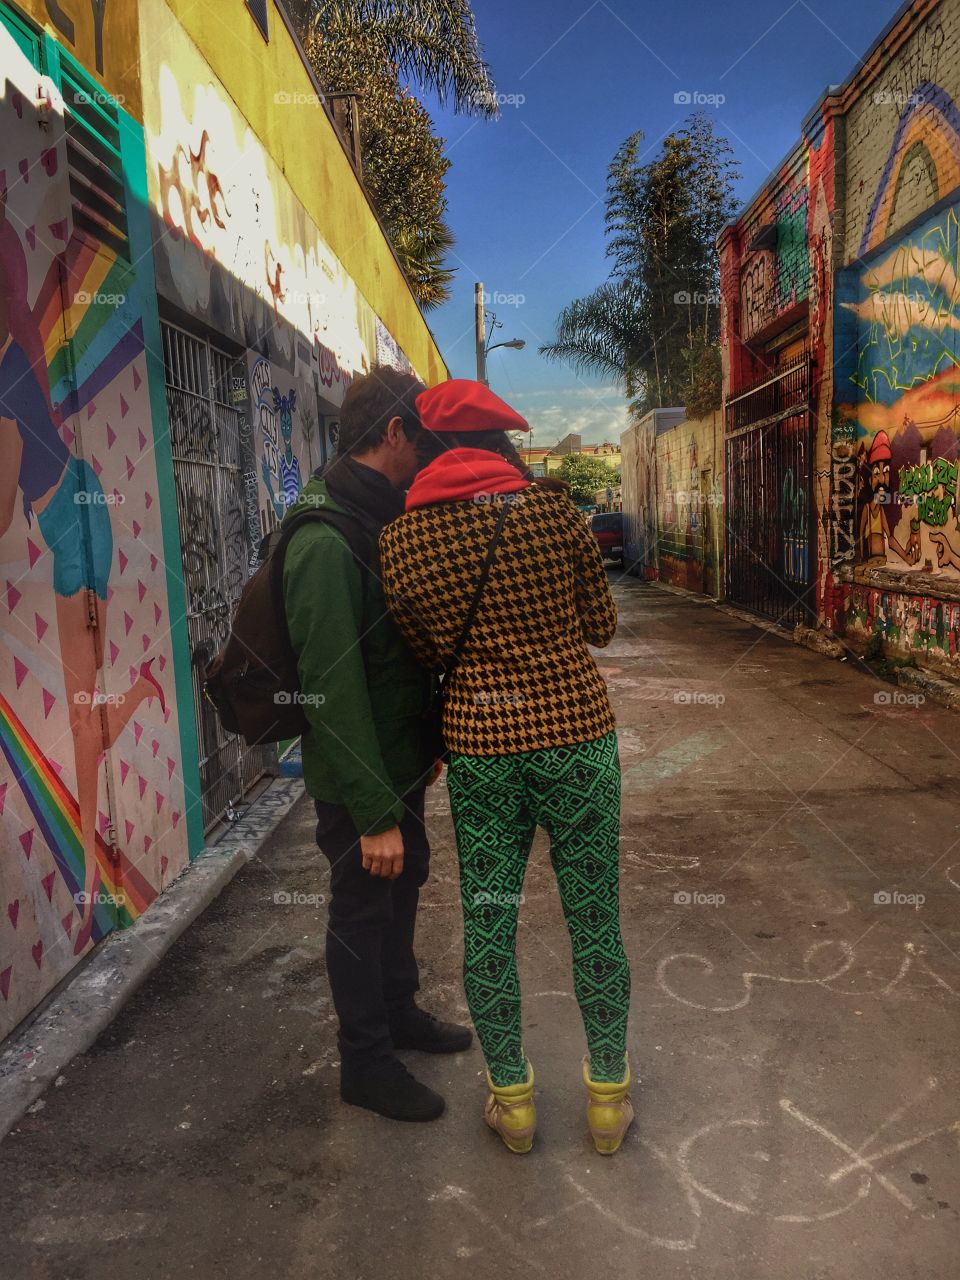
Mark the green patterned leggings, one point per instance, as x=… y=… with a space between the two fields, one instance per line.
x=498 y=802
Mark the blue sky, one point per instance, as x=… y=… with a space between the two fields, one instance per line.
x=526 y=192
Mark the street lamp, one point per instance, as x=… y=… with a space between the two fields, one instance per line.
x=484 y=346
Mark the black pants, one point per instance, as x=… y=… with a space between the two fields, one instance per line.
x=370 y=961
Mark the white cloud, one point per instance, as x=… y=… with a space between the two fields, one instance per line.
x=597 y=414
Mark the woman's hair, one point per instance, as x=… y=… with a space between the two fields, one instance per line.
x=432 y=444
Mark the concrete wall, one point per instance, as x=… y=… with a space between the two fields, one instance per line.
x=689 y=500
x=242 y=213
x=95 y=738
x=639 y=489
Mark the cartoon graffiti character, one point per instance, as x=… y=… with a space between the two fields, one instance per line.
x=62 y=493
x=876 y=533
x=290 y=479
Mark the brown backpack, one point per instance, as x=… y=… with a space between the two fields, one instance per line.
x=253 y=682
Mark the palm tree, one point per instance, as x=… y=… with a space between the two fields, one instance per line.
x=433 y=42
x=606 y=333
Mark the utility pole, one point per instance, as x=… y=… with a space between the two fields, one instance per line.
x=481 y=327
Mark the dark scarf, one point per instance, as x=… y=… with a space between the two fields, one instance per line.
x=364 y=493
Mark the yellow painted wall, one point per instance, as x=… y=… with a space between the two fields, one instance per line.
x=106 y=46
x=271 y=87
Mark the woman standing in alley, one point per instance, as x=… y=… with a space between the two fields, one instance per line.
x=498 y=581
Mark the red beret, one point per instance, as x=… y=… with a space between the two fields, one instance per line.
x=462 y=405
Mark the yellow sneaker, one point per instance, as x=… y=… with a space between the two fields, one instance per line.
x=511 y=1113
x=609 y=1110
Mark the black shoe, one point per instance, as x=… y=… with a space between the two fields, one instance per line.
x=389 y=1089
x=418 y=1029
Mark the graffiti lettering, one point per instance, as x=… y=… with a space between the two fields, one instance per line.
x=65 y=25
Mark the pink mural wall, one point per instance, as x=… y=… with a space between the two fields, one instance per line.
x=92 y=798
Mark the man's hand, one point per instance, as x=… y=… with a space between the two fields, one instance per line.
x=383 y=854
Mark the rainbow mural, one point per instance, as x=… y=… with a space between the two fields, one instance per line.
x=929 y=131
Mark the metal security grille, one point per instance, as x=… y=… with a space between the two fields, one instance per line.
x=770 y=533
x=206 y=439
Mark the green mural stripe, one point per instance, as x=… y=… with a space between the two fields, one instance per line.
x=138 y=214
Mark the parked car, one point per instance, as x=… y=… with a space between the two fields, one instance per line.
x=607 y=528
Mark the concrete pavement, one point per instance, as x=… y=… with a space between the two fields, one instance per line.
x=791 y=846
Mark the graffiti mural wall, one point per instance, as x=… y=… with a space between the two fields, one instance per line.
x=91 y=786
x=690 y=504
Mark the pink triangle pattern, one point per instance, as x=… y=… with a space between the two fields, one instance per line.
x=130 y=467
x=3 y=797
x=129 y=828
x=20 y=671
x=124 y=408
x=127 y=623
x=141 y=590
x=33 y=551
x=5 y=982
x=26 y=842
x=124 y=770
x=142 y=784
x=47 y=883
x=40 y=624
x=48 y=701
x=111 y=436
x=13 y=597
x=123 y=561
x=114 y=652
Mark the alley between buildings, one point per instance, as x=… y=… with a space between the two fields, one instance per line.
x=791 y=872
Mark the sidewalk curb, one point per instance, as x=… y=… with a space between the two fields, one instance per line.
x=33 y=1057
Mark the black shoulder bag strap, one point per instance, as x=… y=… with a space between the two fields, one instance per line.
x=348 y=526
x=458 y=648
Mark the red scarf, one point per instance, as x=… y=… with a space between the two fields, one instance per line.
x=462 y=474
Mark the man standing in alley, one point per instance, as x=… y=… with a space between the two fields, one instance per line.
x=368 y=754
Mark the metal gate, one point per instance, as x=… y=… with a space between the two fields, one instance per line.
x=206 y=434
x=769 y=503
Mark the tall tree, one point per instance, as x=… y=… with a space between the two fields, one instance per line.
x=655 y=323
x=371 y=47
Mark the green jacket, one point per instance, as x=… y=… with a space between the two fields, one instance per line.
x=365 y=695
